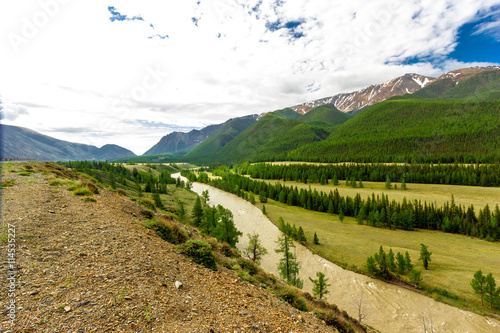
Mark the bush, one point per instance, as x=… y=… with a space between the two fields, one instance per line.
x=82 y=191
x=168 y=231
x=148 y=203
x=289 y=294
x=55 y=182
x=200 y=251
x=248 y=266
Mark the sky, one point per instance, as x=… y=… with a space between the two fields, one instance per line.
x=129 y=72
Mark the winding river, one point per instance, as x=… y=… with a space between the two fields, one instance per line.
x=386 y=307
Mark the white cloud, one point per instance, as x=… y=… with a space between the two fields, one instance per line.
x=240 y=58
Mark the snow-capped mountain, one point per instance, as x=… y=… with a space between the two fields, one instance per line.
x=464 y=73
x=406 y=84
x=354 y=101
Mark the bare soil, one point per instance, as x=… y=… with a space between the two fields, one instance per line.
x=92 y=267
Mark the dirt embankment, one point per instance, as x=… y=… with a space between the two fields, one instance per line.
x=91 y=267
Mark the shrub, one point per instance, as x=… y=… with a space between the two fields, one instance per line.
x=200 y=251
x=121 y=192
x=248 y=265
x=82 y=191
x=55 y=182
x=168 y=231
x=148 y=203
x=289 y=294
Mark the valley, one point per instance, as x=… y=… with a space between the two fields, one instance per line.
x=388 y=308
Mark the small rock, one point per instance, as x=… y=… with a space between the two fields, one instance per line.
x=33 y=293
x=52 y=212
x=67 y=308
x=299 y=317
x=178 y=284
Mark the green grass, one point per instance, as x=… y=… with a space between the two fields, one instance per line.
x=82 y=191
x=455 y=258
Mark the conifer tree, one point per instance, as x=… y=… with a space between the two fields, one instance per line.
x=425 y=256
x=388 y=182
x=226 y=231
x=391 y=263
x=401 y=263
x=491 y=292
x=408 y=264
x=288 y=267
x=478 y=283
x=320 y=285
x=316 y=239
x=255 y=251
x=341 y=215
x=197 y=212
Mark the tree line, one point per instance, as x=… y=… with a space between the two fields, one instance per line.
x=377 y=211
x=451 y=174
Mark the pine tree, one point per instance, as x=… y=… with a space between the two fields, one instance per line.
x=403 y=185
x=491 y=292
x=255 y=251
x=478 y=283
x=288 y=267
x=316 y=239
x=264 y=210
x=425 y=256
x=197 y=212
x=391 y=263
x=251 y=198
x=205 y=196
x=408 y=264
x=226 y=231
x=335 y=179
x=341 y=215
x=401 y=263
x=320 y=285
x=388 y=182
x=381 y=259
x=371 y=266
x=182 y=212
x=301 y=237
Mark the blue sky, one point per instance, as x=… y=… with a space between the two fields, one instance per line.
x=130 y=72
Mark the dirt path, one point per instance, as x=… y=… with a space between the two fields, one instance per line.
x=388 y=308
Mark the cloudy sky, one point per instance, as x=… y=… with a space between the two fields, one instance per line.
x=130 y=72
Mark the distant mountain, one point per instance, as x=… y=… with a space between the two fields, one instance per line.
x=479 y=83
x=354 y=101
x=23 y=143
x=179 y=142
x=274 y=134
x=325 y=114
x=229 y=130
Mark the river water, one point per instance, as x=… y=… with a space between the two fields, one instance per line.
x=386 y=307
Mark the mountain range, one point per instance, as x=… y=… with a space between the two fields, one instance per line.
x=356 y=125
x=23 y=143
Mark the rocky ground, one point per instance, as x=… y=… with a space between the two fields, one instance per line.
x=92 y=267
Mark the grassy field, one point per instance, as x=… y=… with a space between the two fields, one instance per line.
x=438 y=194
x=455 y=258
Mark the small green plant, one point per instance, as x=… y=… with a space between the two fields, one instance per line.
x=7 y=183
x=120 y=296
x=4 y=235
x=89 y=199
x=200 y=251
x=69 y=282
x=148 y=312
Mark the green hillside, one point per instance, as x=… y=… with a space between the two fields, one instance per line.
x=484 y=86
x=223 y=136
x=402 y=130
x=287 y=113
x=325 y=114
x=270 y=138
x=436 y=89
